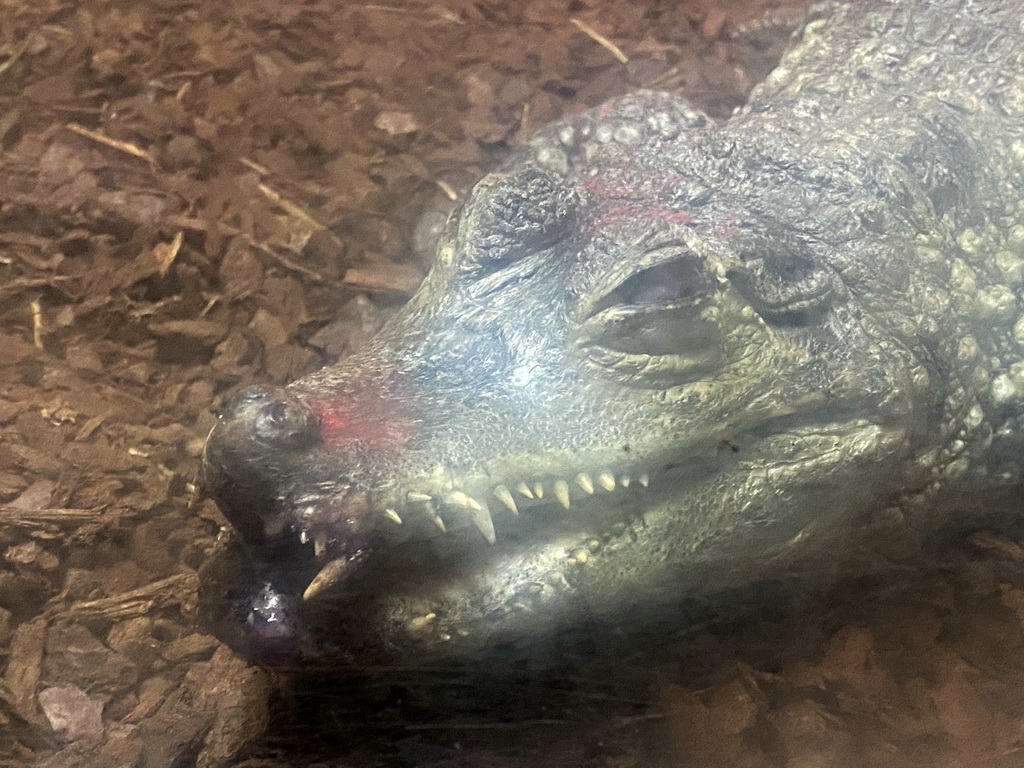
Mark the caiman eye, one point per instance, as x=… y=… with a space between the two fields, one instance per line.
x=678 y=280
x=657 y=311
x=783 y=281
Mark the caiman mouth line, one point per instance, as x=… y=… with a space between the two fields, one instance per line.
x=460 y=508
x=454 y=508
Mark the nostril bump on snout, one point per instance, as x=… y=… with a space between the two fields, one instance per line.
x=275 y=418
x=248 y=456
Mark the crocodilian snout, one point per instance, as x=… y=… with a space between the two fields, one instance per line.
x=256 y=444
x=259 y=466
x=286 y=467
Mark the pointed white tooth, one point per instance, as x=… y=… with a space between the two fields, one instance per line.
x=329 y=575
x=607 y=481
x=393 y=515
x=524 y=489
x=420 y=623
x=482 y=520
x=562 y=492
x=460 y=499
x=506 y=498
x=538 y=490
x=319 y=544
x=440 y=524
x=583 y=481
x=303 y=537
x=645 y=479
x=417 y=496
x=625 y=481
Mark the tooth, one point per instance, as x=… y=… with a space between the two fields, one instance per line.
x=417 y=496
x=562 y=492
x=607 y=481
x=460 y=499
x=645 y=479
x=506 y=498
x=393 y=515
x=422 y=622
x=482 y=520
x=538 y=490
x=583 y=481
x=329 y=575
x=303 y=537
x=440 y=523
x=625 y=481
x=320 y=544
x=524 y=489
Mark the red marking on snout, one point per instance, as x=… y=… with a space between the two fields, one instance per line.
x=364 y=419
x=616 y=197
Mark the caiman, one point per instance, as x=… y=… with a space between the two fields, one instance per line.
x=658 y=355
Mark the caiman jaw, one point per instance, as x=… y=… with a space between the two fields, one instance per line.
x=343 y=522
x=258 y=468
x=450 y=510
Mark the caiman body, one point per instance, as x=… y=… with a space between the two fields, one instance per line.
x=657 y=355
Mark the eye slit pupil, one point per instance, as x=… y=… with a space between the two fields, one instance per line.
x=671 y=281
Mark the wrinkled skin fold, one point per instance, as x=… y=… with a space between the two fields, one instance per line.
x=658 y=356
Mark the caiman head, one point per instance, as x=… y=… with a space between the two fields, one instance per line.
x=625 y=376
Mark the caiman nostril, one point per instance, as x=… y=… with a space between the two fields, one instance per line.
x=259 y=432
x=275 y=418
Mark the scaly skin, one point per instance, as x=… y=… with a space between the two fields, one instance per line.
x=716 y=345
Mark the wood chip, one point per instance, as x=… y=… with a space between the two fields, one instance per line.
x=387 y=278
x=121 y=146
x=604 y=42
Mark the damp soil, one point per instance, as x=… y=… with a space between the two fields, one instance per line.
x=196 y=195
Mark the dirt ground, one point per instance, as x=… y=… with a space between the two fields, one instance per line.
x=198 y=194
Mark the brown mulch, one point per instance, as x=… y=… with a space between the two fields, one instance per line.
x=196 y=195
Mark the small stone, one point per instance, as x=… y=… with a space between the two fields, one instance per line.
x=396 y=123
x=106 y=62
x=72 y=713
